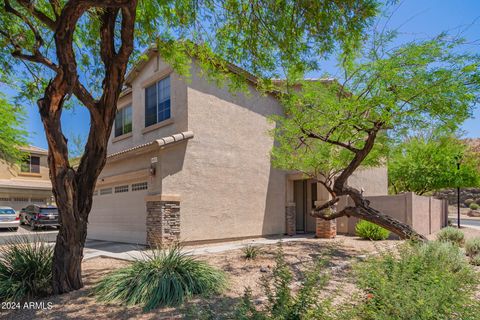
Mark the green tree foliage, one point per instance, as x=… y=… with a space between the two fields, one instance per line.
x=12 y=134
x=334 y=127
x=60 y=53
x=424 y=164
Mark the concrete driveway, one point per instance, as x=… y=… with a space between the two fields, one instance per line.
x=47 y=234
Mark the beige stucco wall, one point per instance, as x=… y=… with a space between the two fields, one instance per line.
x=374 y=181
x=227 y=184
x=153 y=71
x=223 y=175
x=425 y=214
x=9 y=171
x=18 y=198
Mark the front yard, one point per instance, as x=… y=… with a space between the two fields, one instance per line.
x=242 y=273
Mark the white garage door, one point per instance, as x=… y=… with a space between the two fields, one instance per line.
x=119 y=213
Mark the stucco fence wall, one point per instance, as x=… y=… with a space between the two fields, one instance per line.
x=426 y=215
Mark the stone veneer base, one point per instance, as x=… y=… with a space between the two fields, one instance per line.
x=163 y=223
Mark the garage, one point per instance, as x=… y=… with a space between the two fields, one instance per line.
x=119 y=213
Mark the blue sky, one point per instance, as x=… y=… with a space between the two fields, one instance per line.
x=416 y=18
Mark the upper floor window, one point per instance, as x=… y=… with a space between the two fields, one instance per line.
x=123 y=121
x=31 y=165
x=157 y=102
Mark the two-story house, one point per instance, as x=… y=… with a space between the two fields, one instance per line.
x=190 y=160
x=26 y=183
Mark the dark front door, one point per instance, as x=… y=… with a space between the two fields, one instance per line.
x=300 y=198
x=304 y=195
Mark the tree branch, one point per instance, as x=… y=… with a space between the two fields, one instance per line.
x=325 y=139
x=357 y=160
x=27 y=4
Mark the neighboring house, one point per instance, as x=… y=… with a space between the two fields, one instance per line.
x=26 y=183
x=191 y=161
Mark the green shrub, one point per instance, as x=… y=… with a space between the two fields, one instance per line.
x=475 y=260
x=421 y=281
x=474 y=206
x=468 y=202
x=472 y=247
x=309 y=302
x=451 y=234
x=25 y=269
x=162 y=278
x=367 y=230
x=251 y=252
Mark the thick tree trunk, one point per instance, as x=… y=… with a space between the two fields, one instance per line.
x=362 y=210
x=362 y=207
x=73 y=189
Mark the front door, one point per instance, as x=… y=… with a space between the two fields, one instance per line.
x=305 y=195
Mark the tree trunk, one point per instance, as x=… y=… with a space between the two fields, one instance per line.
x=362 y=210
x=73 y=189
x=362 y=207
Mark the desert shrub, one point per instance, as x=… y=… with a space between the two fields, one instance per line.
x=474 y=206
x=251 y=252
x=367 y=230
x=451 y=234
x=421 y=281
x=468 y=202
x=25 y=269
x=162 y=278
x=472 y=247
x=282 y=304
x=475 y=260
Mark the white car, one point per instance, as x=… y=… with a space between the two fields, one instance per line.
x=9 y=218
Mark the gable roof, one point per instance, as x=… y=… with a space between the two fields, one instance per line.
x=33 y=149
x=152 y=52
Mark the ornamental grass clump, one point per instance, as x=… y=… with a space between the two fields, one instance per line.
x=251 y=252
x=25 y=269
x=427 y=281
x=451 y=234
x=370 y=231
x=161 y=278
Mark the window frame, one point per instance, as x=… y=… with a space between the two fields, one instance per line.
x=122 y=112
x=166 y=110
x=32 y=168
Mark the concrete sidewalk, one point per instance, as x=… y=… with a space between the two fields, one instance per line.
x=130 y=252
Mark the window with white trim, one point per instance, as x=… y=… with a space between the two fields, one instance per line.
x=157 y=102
x=31 y=164
x=123 y=121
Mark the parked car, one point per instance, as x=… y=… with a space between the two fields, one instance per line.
x=22 y=213
x=9 y=218
x=37 y=216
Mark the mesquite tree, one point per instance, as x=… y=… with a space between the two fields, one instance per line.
x=333 y=128
x=77 y=51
